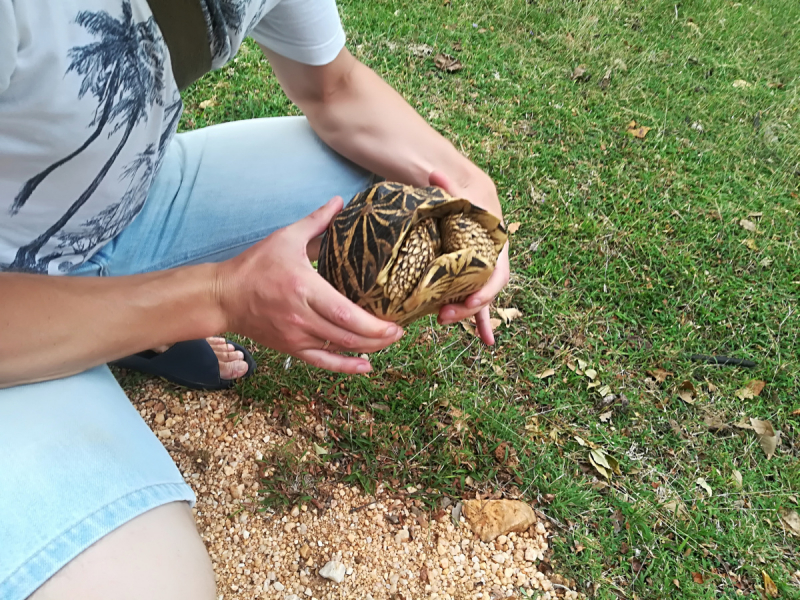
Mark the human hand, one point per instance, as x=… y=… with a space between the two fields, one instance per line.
x=478 y=303
x=272 y=294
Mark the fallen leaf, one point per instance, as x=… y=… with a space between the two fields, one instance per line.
x=591 y=373
x=506 y=455
x=755 y=215
x=604 y=463
x=704 y=484
x=750 y=243
x=756 y=386
x=547 y=373
x=775 y=85
x=447 y=63
x=495 y=323
x=748 y=225
x=740 y=83
x=769 y=586
x=579 y=548
x=469 y=327
x=677 y=508
x=604 y=391
x=676 y=583
x=421 y=50
x=796 y=412
x=637 y=131
x=766 y=436
x=208 y=103
x=320 y=450
x=606 y=416
x=580 y=74
x=660 y=375
x=790 y=520
x=513 y=227
x=714 y=423
x=737 y=479
x=606 y=80
x=686 y=392
x=509 y=314
x=697 y=578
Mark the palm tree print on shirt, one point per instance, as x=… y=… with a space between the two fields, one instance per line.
x=124 y=70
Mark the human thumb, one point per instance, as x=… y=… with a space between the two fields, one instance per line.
x=317 y=222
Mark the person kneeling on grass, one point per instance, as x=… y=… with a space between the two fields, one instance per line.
x=122 y=241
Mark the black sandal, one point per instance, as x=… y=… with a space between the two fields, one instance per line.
x=191 y=364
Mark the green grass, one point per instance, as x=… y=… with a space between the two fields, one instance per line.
x=630 y=256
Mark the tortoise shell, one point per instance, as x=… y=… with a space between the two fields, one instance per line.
x=402 y=252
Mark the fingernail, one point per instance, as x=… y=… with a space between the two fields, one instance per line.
x=392 y=331
x=364 y=368
x=238 y=355
x=449 y=314
x=230 y=347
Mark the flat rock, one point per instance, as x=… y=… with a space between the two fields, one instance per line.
x=490 y=519
x=333 y=570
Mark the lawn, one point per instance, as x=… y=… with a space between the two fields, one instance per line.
x=632 y=250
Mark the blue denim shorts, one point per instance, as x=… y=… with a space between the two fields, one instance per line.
x=76 y=458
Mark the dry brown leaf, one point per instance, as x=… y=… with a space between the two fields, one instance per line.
x=756 y=386
x=509 y=314
x=421 y=50
x=469 y=327
x=606 y=416
x=748 y=225
x=697 y=578
x=591 y=373
x=755 y=215
x=495 y=323
x=637 y=131
x=766 y=436
x=790 y=520
x=660 y=375
x=208 y=103
x=513 y=227
x=740 y=83
x=447 y=63
x=547 y=373
x=769 y=586
x=606 y=80
x=687 y=393
x=677 y=508
x=715 y=423
x=580 y=74
x=704 y=484
x=796 y=412
x=775 y=85
x=737 y=478
x=750 y=243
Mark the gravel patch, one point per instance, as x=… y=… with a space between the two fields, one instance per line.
x=351 y=546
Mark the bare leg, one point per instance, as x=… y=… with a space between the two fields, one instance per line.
x=158 y=556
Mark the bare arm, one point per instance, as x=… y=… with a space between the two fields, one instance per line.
x=360 y=116
x=56 y=326
x=52 y=327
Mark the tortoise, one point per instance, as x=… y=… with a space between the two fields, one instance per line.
x=402 y=252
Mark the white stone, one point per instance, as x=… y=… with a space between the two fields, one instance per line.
x=278 y=586
x=530 y=554
x=334 y=570
x=499 y=558
x=402 y=536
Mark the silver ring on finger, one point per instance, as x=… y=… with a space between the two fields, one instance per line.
x=326 y=344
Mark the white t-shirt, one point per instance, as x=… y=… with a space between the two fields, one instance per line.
x=88 y=104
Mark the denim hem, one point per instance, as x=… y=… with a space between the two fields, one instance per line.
x=65 y=546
